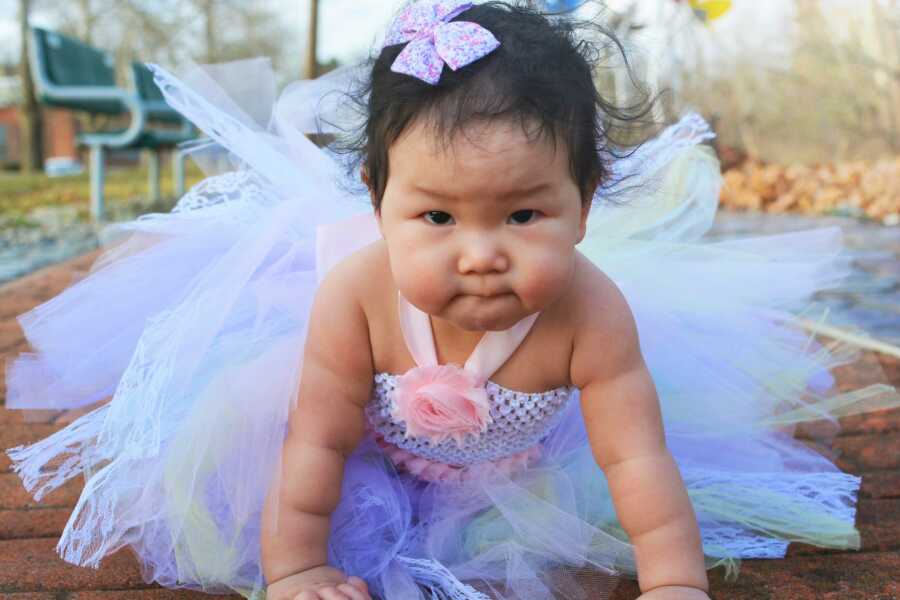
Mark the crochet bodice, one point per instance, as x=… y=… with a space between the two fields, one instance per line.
x=517 y=422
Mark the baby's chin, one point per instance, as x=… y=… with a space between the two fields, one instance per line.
x=475 y=313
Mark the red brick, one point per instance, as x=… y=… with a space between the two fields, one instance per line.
x=819 y=431
x=19 y=435
x=14 y=304
x=34 y=523
x=881 y=421
x=10 y=334
x=878 y=522
x=51 y=279
x=866 y=370
x=32 y=565
x=891 y=367
x=869 y=452
x=880 y=485
x=847 y=576
x=13 y=494
x=25 y=433
x=34 y=417
x=11 y=417
x=32 y=596
x=148 y=594
x=857 y=576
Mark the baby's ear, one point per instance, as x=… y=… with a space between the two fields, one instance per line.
x=364 y=176
x=582 y=226
x=587 y=201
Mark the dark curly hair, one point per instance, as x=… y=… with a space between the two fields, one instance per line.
x=542 y=76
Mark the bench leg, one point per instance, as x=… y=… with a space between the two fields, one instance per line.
x=178 y=171
x=97 y=176
x=153 y=174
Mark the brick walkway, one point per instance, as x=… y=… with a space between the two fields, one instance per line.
x=30 y=570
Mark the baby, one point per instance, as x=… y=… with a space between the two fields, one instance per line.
x=481 y=185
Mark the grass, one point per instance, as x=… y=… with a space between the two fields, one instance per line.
x=20 y=194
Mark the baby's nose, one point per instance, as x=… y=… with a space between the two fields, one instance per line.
x=482 y=255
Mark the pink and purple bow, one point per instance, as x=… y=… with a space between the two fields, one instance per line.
x=434 y=40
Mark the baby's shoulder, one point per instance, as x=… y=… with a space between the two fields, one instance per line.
x=361 y=275
x=594 y=300
x=605 y=333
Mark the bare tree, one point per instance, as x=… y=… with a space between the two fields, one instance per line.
x=173 y=32
x=207 y=9
x=89 y=14
x=233 y=29
x=312 y=60
x=31 y=125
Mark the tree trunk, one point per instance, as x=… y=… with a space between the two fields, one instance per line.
x=31 y=151
x=209 y=16
x=88 y=18
x=311 y=69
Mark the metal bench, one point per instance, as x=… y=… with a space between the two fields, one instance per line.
x=70 y=74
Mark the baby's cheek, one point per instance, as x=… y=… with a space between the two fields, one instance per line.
x=421 y=281
x=546 y=277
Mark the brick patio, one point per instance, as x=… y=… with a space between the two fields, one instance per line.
x=868 y=445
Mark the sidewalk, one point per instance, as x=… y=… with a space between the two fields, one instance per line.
x=30 y=570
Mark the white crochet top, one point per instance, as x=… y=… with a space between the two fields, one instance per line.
x=519 y=421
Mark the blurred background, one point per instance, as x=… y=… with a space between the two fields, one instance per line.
x=804 y=96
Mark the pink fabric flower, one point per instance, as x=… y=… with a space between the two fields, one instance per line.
x=441 y=401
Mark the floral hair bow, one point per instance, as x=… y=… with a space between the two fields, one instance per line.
x=434 y=40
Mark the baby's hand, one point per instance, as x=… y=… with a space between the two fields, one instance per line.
x=674 y=592
x=318 y=583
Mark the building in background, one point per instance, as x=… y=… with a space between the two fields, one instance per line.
x=60 y=126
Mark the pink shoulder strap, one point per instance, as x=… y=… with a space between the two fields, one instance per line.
x=491 y=352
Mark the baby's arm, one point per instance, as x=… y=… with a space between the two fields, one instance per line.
x=624 y=425
x=324 y=429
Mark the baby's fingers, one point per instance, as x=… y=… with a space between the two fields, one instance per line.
x=331 y=593
x=359 y=584
x=353 y=593
x=308 y=595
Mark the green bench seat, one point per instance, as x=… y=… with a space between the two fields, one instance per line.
x=70 y=74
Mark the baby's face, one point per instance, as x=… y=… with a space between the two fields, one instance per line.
x=481 y=233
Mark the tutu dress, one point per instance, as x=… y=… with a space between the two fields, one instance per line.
x=194 y=323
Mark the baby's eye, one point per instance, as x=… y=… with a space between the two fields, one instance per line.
x=523 y=217
x=438 y=217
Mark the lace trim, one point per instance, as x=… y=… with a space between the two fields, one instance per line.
x=756 y=515
x=229 y=188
